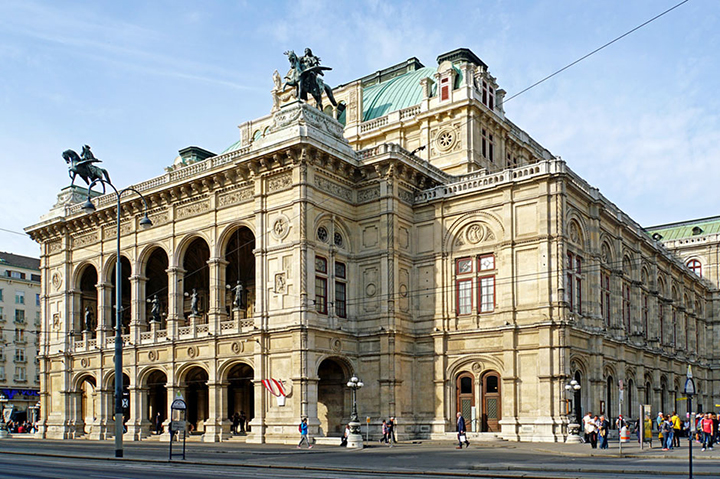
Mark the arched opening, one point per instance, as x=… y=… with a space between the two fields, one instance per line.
x=465 y=398
x=157 y=398
x=125 y=395
x=87 y=403
x=630 y=405
x=241 y=395
x=648 y=394
x=125 y=272
x=663 y=397
x=608 y=399
x=156 y=286
x=577 y=398
x=240 y=267
x=196 y=395
x=331 y=397
x=88 y=301
x=491 y=414
x=197 y=275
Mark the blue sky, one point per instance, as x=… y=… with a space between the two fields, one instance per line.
x=140 y=80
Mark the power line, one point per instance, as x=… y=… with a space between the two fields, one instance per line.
x=595 y=51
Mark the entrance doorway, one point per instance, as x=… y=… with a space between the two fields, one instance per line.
x=465 y=393
x=491 y=402
x=331 y=397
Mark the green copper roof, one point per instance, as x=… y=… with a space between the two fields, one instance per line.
x=233 y=147
x=686 y=229
x=394 y=94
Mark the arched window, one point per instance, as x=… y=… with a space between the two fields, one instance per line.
x=695 y=266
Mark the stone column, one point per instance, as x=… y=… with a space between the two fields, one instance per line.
x=138 y=322
x=218 y=292
x=103 y=414
x=137 y=423
x=213 y=423
x=104 y=319
x=175 y=301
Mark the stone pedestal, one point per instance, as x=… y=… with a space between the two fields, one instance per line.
x=573 y=436
x=355 y=439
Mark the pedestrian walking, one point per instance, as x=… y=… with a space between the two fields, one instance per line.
x=667 y=431
x=384 y=430
x=235 y=423
x=158 y=424
x=590 y=429
x=390 y=432
x=393 y=426
x=677 y=428
x=303 y=429
x=243 y=422
x=346 y=434
x=603 y=429
x=461 y=432
x=706 y=425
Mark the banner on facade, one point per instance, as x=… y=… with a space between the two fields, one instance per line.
x=275 y=387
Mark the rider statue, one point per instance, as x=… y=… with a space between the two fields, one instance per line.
x=305 y=76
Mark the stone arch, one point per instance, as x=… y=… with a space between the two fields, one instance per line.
x=145 y=371
x=180 y=250
x=455 y=230
x=645 y=276
x=154 y=384
x=583 y=238
x=81 y=377
x=238 y=245
x=154 y=268
x=147 y=251
x=225 y=367
x=627 y=265
x=193 y=380
x=108 y=379
x=661 y=286
x=79 y=270
x=109 y=266
x=183 y=369
x=193 y=259
x=607 y=253
x=239 y=382
x=476 y=364
x=226 y=235
x=126 y=272
x=340 y=226
x=332 y=399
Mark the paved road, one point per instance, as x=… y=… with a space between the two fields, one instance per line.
x=89 y=459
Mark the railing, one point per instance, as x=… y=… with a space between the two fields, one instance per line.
x=373 y=124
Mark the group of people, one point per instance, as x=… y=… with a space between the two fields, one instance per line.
x=21 y=427
x=239 y=424
x=388 y=432
x=670 y=427
x=596 y=429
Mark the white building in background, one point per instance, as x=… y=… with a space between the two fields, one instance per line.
x=19 y=327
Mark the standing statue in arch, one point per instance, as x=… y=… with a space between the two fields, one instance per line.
x=305 y=76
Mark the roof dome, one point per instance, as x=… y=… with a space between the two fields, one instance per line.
x=394 y=94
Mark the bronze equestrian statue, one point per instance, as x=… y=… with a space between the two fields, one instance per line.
x=83 y=167
x=305 y=76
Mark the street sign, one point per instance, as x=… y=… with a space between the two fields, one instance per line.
x=689 y=386
x=178 y=425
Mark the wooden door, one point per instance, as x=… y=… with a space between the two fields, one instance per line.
x=465 y=398
x=491 y=402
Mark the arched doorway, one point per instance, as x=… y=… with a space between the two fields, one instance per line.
x=157 y=397
x=608 y=399
x=196 y=395
x=648 y=393
x=197 y=275
x=111 y=397
x=88 y=317
x=465 y=398
x=491 y=414
x=241 y=393
x=87 y=403
x=125 y=272
x=157 y=284
x=630 y=397
x=577 y=398
x=241 y=267
x=331 y=397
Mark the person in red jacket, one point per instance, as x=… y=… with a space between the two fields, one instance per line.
x=708 y=432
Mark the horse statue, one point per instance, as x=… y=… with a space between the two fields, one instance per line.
x=305 y=76
x=83 y=167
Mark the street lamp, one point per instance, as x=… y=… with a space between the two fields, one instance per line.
x=145 y=222
x=3 y=426
x=355 y=439
x=571 y=389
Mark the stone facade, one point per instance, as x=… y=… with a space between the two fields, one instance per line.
x=479 y=274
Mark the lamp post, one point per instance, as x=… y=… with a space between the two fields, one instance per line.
x=3 y=426
x=355 y=439
x=689 y=393
x=145 y=222
x=573 y=436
